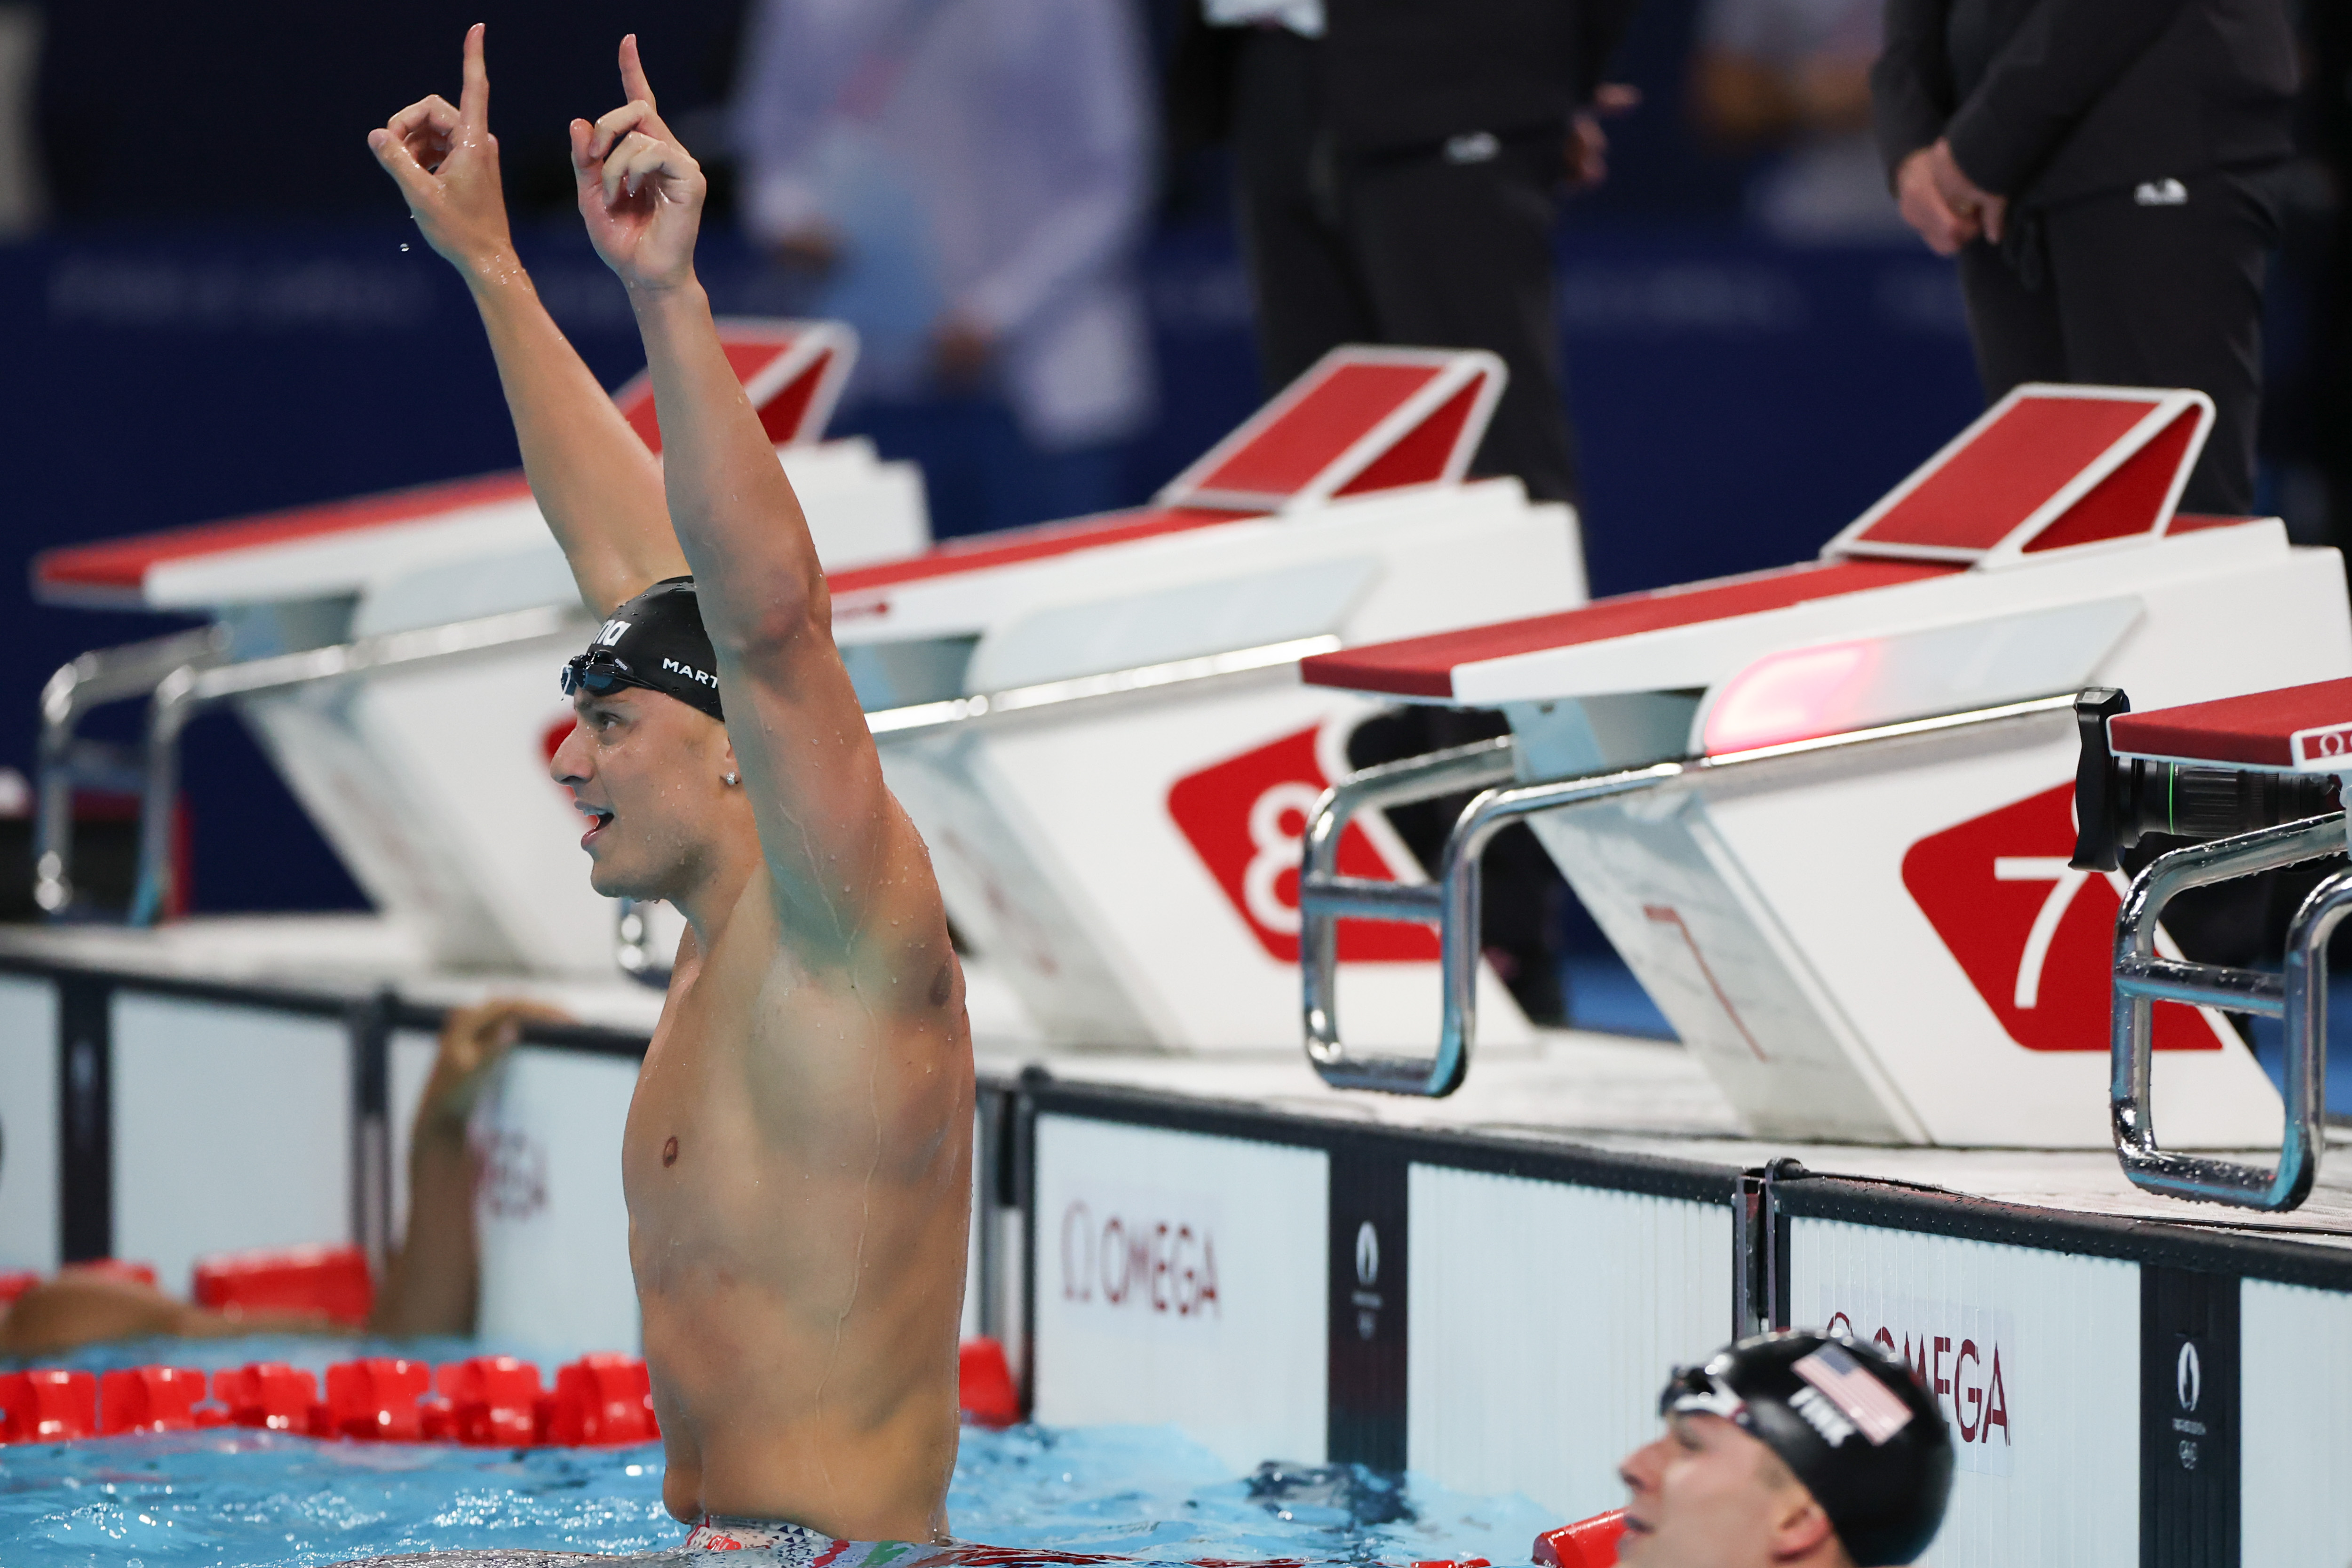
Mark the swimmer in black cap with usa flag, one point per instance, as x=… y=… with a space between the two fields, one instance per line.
x=1790 y=1450
x=798 y=1156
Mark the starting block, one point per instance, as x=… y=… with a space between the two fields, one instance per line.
x=396 y=655
x=2256 y=783
x=1100 y=726
x=1824 y=812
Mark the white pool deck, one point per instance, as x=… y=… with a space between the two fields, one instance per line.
x=1570 y=1088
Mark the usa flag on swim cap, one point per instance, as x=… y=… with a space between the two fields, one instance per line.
x=1866 y=1402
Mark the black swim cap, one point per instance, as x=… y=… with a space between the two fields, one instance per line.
x=1849 y=1418
x=655 y=641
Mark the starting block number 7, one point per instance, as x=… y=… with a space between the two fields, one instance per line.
x=2065 y=881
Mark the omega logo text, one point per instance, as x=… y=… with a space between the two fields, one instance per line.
x=1139 y=1265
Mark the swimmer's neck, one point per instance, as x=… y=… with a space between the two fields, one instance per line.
x=710 y=899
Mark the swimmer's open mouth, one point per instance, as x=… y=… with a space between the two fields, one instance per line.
x=598 y=820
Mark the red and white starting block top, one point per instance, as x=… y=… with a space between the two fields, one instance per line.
x=2296 y=729
x=792 y=371
x=1107 y=857
x=1363 y=423
x=2068 y=482
x=1892 y=946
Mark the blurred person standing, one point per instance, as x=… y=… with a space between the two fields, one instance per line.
x=965 y=181
x=1400 y=165
x=1790 y=79
x=2106 y=171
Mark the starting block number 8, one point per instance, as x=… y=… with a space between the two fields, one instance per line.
x=1245 y=817
x=1277 y=829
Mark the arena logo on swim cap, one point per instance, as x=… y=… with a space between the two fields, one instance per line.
x=611 y=632
x=687 y=670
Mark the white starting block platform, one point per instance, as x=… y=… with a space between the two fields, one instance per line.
x=395 y=656
x=1826 y=810
x=1099 y=728
x=1097 y=724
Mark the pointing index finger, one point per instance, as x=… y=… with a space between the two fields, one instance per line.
x=473 y=99
x=633 y=73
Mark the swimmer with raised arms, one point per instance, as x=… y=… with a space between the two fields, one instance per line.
x=798 y=1156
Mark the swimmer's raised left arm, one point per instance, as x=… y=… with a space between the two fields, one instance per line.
x=839 y=850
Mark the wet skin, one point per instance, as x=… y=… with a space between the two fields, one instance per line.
x=797 y=1157
x=1708 y=1495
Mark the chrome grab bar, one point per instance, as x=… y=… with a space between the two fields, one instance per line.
x=1056 y=697
x=185 y=692
x=66 y=761
x=2298 y=996
x=1451 y=902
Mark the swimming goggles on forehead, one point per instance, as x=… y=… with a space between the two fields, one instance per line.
x=597 y=672
x=1695 y=1390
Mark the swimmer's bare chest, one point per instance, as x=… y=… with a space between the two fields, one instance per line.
x=797 y=1164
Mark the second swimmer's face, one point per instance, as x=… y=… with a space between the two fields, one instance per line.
x=1708 y=1495
x=646 y=772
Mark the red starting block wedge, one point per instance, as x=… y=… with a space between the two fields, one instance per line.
x=46 y=1405
x=1587 y=1543
x=493 y=1402
x=985 y=1383
x=271 y=1396
x=603 y=1399
x=149 y=1399
x=376 y=1399
x=15 y=1285
x=329 y=1280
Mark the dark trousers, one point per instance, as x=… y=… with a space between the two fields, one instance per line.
x=1416 y=248
x=2115 y=292
x=1412 y=248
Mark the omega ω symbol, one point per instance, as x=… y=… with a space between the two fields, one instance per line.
x=2187 y=1376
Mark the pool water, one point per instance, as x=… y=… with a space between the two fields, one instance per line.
x=225 y=1499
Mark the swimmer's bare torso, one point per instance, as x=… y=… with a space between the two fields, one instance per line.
x=797 y=1160
x=797 y=1163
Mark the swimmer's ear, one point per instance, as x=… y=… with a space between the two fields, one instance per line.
x=632 y=74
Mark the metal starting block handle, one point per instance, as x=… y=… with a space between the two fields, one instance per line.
x=2254 y=820
x=1450 y=903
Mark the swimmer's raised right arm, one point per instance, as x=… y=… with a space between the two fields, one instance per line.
x=598 y=486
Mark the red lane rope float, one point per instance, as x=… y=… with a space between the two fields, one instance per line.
x=48 y=1406
x=272 y=1397
x=984 y=1383
x=330 y=1280
x=600 y=1400
x=152 y=1399
x=1587 y=1543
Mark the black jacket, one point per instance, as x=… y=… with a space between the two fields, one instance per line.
x=2047 y=100
x=1400 y=74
